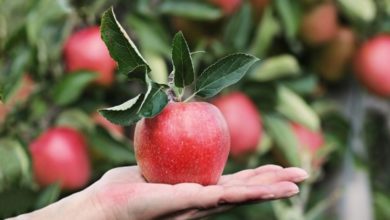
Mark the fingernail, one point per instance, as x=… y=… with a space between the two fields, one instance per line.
x=301 y=177
x=293 y=192
x=268 y=196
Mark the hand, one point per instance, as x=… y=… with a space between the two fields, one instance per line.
x=122 y=193
x=125 y=194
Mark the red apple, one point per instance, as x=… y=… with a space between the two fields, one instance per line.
x=186 y=142
x=114 y=129
x=336 y=55
x=227 y=6
x=309 y=141
x=372 y=65
x=60 y=155
x=85 y=50
x=319 y=25
x=243 y=120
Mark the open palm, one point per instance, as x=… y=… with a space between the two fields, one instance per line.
x=123 y=193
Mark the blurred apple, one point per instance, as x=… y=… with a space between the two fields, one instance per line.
x=85 y=50
x=319 y=25
x=309 y=141
x=372 y=64
x=60 y=155
x=334 y=57
x=115 y=130
x=243 y=120
x=227 y=6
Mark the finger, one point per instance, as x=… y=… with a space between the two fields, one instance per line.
x=245 y=174
x=292 y=174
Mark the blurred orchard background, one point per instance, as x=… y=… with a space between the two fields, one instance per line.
x=320 y=92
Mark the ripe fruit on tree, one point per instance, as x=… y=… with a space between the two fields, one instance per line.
x=319 y=25
x=309 y=141
x=186 y=142
x=60 y=155
x=85 y=50
x=227 y=6
x=243 y=120
x=372 y=65
x=115 y=130
x=336 y=55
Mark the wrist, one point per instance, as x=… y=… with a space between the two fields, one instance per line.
x=80 y=205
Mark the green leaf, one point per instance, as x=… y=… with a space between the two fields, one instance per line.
x=365 y=11
x=39 y=17
x=155 y=100
x=75 y=118
x=151 y=35
x=197 y=10
x=296 y=109
x=290 y=13
x=71 y=87
x=276 y=67
x=303 y=85
x=238 y=29
x=14 y=163
x=121 y=47
x=182 y=62
x=10 y=77
x=143 y=105
x=283 y=135
x=267 y=29
x=101 y=142
x=223 y=73
x=159 y=67
x=125 y=113
x=49 y=195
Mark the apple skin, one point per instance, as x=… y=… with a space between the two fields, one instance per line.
x=186 y=142
x=60 y=155
x=372 y=64
x=115 y=130
x=308 y=139
x=85 y=50
x=243 y=120
x=319 y=25
x=227 y=6
x=336 y=55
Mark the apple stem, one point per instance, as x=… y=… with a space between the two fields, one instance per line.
x=191 y=97
x=172 y=94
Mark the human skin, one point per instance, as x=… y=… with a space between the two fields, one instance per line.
x=122 y=193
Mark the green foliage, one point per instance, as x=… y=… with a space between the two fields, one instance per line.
x=121 y=47
x=71 y=86
x=276 y=67
x=199 y=10
x=14 y=164
x=223 y=73
x=182 y=62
